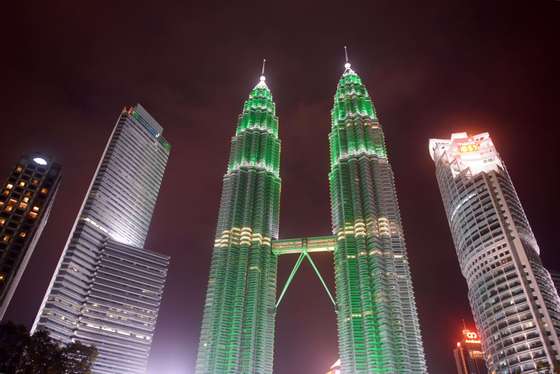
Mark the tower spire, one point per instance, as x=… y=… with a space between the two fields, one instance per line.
x=347 y=64
x=262 y=79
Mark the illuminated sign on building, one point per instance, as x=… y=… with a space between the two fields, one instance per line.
x=469 y=358
x=470 y=337
x=466 y=154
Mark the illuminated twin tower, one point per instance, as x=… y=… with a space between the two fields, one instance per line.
x=378 y=327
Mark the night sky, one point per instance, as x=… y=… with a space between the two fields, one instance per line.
x=432 y=68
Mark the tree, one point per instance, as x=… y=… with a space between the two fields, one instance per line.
x=39 y=354
x=13 y=339
x=78 y=358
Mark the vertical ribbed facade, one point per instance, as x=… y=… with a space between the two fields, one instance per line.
x=118 y=206
x=25 y=204
x=237 y=334
x=514 y=302
x=378 y=325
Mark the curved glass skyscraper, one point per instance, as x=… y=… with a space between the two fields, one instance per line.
x=514 y=303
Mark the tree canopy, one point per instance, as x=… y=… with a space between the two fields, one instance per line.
x=21 y=353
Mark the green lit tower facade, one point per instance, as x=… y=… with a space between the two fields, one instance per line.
x=378 y=324
x=377 y=319
x=237 y=333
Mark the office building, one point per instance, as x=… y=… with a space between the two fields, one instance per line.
x=25 y=204
x=469 y=358
x=106 y=289
x=377 y=318
x=514 y=304
x=378 y=323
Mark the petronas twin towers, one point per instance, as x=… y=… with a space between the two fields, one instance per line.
x=378 y=328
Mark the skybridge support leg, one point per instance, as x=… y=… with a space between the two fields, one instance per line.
x=321 y=279
x=291 y=277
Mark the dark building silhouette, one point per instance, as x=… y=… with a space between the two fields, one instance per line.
x=25 y=202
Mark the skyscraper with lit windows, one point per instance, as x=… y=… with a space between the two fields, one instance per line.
x=513 y=300
x=378 y=324
x=25 y=204
x=107 y=288
x=378 y=327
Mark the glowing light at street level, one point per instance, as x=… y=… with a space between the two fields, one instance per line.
x=40 y=161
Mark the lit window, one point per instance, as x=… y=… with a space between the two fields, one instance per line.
x=2 y=221
x=34 y=181
x=22 y=234
x=26 y=199
x=9 y=208
x=2 y=277
x=22 y=205
x=21 y=184
x=6 y=238
x=19 y=169
x=12 y=201
x=9 y=186
x=6 y=192
x=32 y=215
x=44 y=190
x=36 y=208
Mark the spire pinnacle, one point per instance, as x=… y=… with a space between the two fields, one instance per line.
x=263 y=78
x=347 y=64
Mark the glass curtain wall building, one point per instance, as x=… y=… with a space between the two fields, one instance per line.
x=377 y=318
x=513 y=299
x=106 y=289
x=378 y=324
x=237 y=334
x=25 y=204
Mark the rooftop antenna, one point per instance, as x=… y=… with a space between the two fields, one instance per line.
x=263 y=78
x=347 y=64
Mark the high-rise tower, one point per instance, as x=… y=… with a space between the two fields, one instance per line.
x=25 y=204
x=238 y=324
x=514 y=303
x=106 y=289
x=469 y=358
x=377 y=319
x=378 y=323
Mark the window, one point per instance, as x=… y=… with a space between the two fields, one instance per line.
x=21 y=183
x=44 y=190
x=22 y=234
x=36 y=208
x=32 y=215
x=9 y=186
